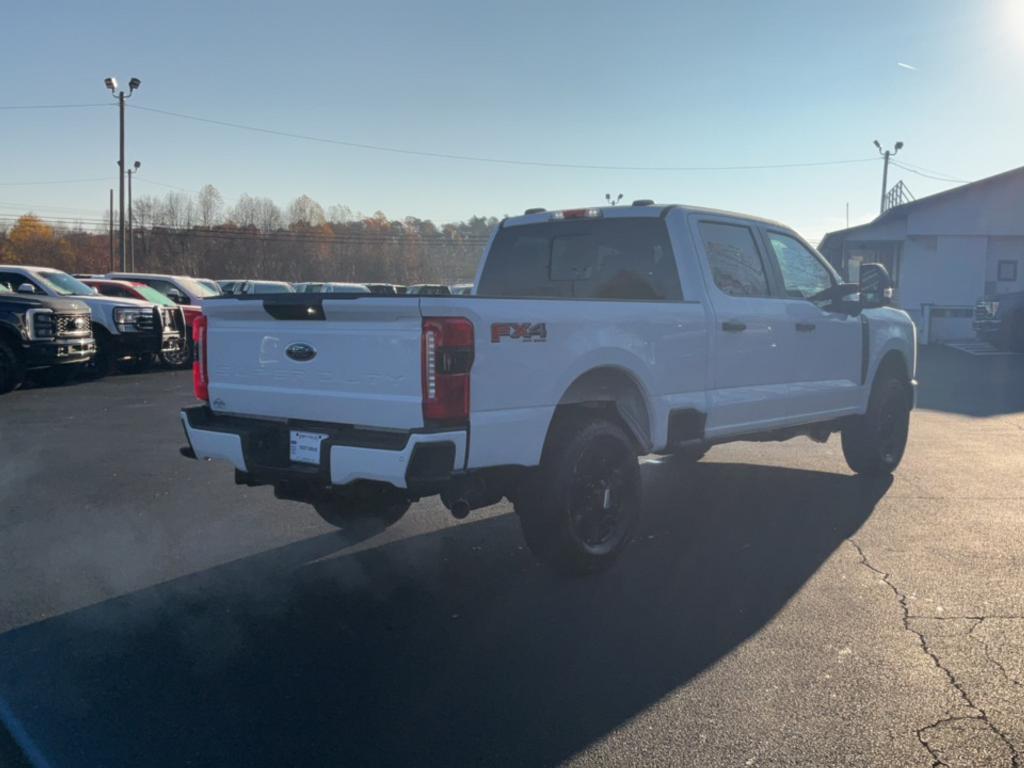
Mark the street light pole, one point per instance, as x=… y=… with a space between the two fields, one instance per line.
x=133 y=86
x=131 y=229
x=113 y=266
x=120 y=175
x=886 y=154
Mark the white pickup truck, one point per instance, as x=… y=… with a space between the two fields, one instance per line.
x=592 y=337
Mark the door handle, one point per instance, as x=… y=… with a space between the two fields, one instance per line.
x=805 y=327
x=731 y=326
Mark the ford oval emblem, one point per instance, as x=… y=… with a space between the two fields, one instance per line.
x=300 y=352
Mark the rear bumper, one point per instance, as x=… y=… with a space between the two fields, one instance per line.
x=419 y=461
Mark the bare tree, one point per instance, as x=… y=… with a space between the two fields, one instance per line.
x=305 y=212
x=211 y=206
x=339 y=214
x=177 y=211
x=244 y=212
x=268 y=216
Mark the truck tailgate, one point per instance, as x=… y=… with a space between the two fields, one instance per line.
x=356 y=362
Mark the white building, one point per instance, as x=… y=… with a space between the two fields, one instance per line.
x=944 y=251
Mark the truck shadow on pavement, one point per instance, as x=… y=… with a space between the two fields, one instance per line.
x=447 y=648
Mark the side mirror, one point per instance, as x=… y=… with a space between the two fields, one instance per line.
x=875 y=286
x=177 y=296
x=27 y=288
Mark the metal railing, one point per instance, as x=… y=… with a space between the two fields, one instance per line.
x=898 y=194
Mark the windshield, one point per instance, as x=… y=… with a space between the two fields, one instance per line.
x=63 y=284
x=195 y=288
x=153 y=295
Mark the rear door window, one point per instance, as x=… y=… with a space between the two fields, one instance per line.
x=620 y=259
x=736 y=264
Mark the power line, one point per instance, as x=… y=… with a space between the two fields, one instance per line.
x=53 y=106
x=168 y=186
x=59 y=181
x=928 y=175
x=917 y=167
x=44 y=206
x=501 y=161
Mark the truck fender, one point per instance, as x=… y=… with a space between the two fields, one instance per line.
x=616 y=387
x=887 y=343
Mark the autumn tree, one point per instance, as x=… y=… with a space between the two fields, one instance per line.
x=181 y=233
x=31 y=241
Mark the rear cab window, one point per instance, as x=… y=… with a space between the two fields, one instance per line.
x=628 y=258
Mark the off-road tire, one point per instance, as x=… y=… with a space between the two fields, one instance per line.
x=873 y=444
x=179 y=359
x=579 y=509
x=12 y=371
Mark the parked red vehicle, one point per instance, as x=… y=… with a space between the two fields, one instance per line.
x=127 y=289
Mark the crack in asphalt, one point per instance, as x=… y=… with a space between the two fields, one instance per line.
x=992 y=660
x=906 y=618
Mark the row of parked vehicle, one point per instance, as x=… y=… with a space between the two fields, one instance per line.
x=243 y=287
x=55 y=326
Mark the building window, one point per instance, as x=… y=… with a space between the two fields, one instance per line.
x=1007 y=272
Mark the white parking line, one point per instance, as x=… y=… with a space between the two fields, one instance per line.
x=978 y=348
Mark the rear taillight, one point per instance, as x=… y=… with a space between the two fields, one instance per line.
x=447 y=358
x=200 y=373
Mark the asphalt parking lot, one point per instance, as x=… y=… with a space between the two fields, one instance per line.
x=775 y=609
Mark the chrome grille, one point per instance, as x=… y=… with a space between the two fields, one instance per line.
x=72 y=325
x=981 y=313
x=147 y=322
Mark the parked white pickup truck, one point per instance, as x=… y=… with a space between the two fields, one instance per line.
x=592 y=336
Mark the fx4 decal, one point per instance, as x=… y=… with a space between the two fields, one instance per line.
x=519 y=331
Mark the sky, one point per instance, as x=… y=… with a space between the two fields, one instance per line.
x=649 y=85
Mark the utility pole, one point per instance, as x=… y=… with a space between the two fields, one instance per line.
x=131 y=229
x=886 y=154
x=113 y=267
x=133 y=85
